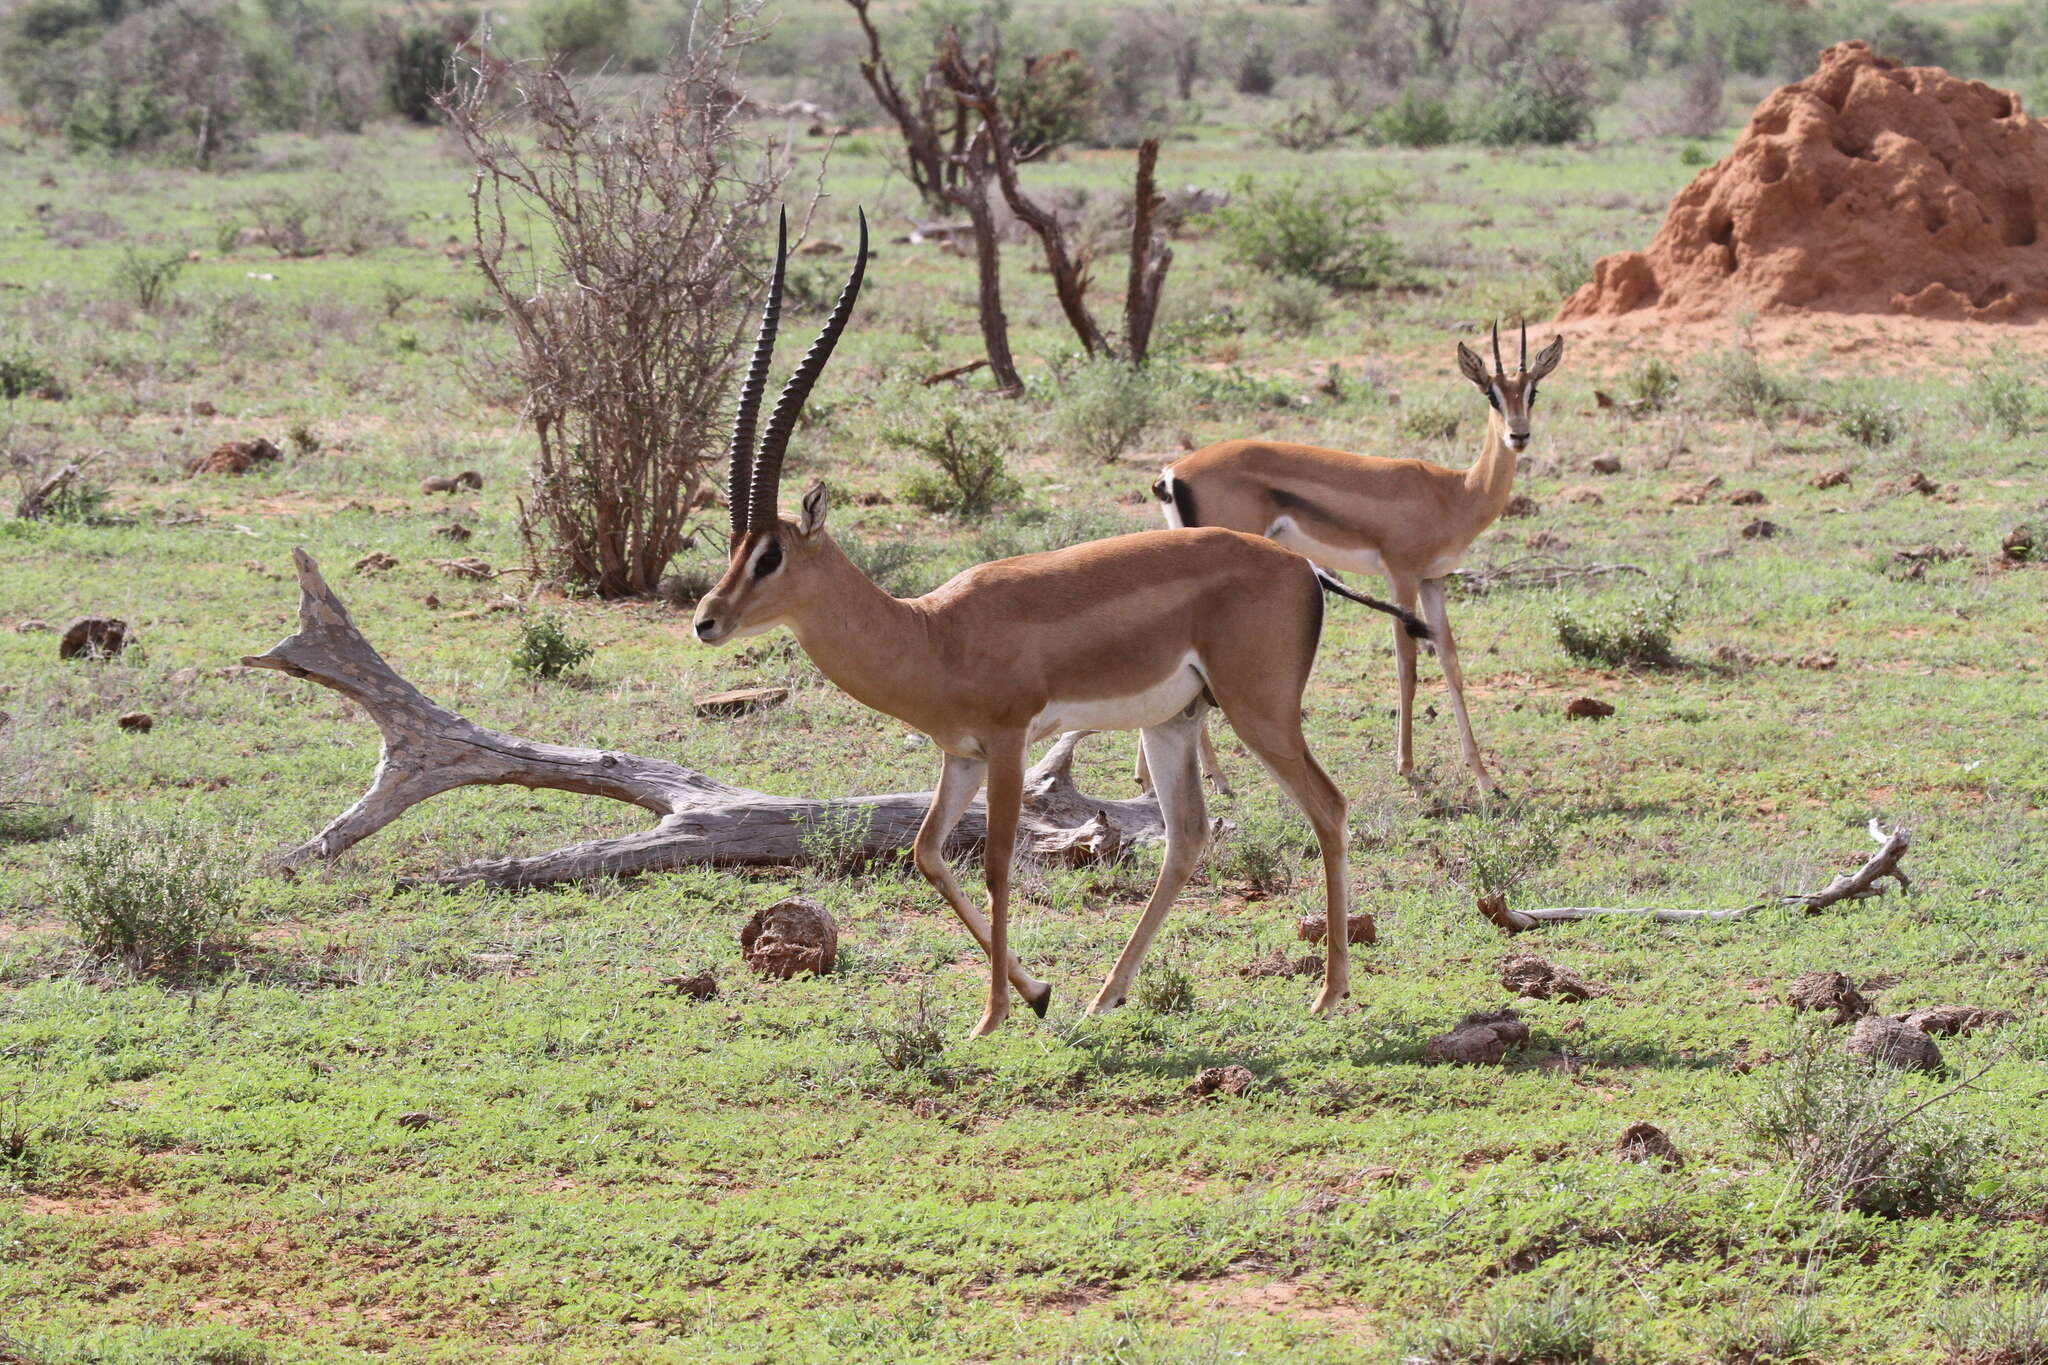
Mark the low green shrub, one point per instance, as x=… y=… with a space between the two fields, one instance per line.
x=1431 y=417
x=547 y=649
x=1636 y=632
x=965 y=446
x=145 y=278
x=1740 y=384
x=1331 y=234
x=1492 y=855
x=1104 y=406
x=1870 y=421
x=2001 y=394
x=1415 y=120
x=1653 y=384
x=149 y=889
x=22 y=373
x=1294 y=307
x=1164 y=987
x=1518 y=1326
x=1530 y=111
x=1995 y=1329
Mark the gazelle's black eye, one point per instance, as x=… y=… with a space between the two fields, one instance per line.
x=770 y=560
x=1494 y=399
x=1532 y=398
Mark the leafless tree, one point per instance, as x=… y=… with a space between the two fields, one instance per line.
x=1438 y=26
x=629 y=325
x=1638 y=20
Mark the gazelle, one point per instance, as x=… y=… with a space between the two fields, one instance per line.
x=1408 y=520
x=1142 y=631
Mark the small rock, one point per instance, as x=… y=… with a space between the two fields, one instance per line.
x=418 y=1118
x=375 y=562
x=468 y=567
x=1887 y=1041
x=1521 y=505
x=1747 y=497
x=1222 y=1080
x=1691 y=494
x=740 y=701
x=925 y=1107
x=1582 y=493
x=1526 y=974
x=199 y=407
x=1360 y=928
x=1820 y=663
x=454 y=531
x=93 y=637
x=431 y=600
x=790 y=938
x=1604 y=464
x=1547 y=540
x=451 y=483
x=1949 y=1020
x=1827 y=991
x=1916 y=482
x=1761 y=529
x=1830 y=478
x=32 y=625
x=702 y=986
x=137 y=721
x=1587 y=708
x=873 y=498
x=1277 y=963
x=1647 y=1142
x=1480 y=1040
x=235 y=457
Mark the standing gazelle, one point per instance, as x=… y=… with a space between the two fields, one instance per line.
x=1143 y=632
x=1408 y=520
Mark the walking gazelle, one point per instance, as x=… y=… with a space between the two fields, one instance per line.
x=1143 y=631
x=1408 y=520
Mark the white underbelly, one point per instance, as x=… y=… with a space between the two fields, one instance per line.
x=1160 y=702
x=1352 y=559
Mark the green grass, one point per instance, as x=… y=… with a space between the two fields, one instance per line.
x=207 y=1165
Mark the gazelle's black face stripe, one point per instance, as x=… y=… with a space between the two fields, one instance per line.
x=767 y=558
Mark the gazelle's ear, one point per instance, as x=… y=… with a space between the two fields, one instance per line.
x=1547 y=358
x=812 y=518
x=1474 y=368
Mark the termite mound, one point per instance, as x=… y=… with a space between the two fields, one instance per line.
x=1868 y=187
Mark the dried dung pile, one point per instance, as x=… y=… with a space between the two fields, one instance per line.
x=1868 y=187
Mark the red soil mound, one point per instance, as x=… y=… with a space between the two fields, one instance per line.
x=1868 y=187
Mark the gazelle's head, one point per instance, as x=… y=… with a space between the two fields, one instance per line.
x=1513 y=396
x=766 y=579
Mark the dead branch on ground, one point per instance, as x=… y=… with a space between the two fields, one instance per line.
x=429 y=749
x=1536 y=574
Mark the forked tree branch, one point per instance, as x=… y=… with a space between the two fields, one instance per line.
x=429 y=749
x=1858 y=885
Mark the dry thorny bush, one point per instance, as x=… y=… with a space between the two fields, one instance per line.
x=628 y=330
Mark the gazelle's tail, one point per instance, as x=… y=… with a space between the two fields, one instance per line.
x=1414 y=625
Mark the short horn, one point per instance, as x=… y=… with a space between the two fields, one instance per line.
x=1498 y=368
x=740 y=453
x=775 y=441
x=1522 y=365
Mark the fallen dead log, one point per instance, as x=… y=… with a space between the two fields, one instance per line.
x=1858 y=885
x=957 y=372
x=428 y=749
x=1525 y=575
x=36 y=500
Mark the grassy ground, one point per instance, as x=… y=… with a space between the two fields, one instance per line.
x=209 y=1166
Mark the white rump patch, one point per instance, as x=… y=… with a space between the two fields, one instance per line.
x=1170 y=508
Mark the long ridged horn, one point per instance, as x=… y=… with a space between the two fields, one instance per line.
x=1498 y=368
x=1522 y=365
x=768 y=466
x=740 y=454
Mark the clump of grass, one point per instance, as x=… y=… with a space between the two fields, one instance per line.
x=1294 y=307
x=22 y=373
x=965 y=446
x=1740 y=384
x=1259 y=853
x=1781 y=1336
x=1857 y=1139
x=303 y=438
x=912 y=1039
x=1106 y=405
x=2001 y=394
x=1995 y=1330
x=1566 y=268
x=547 y=649
x=1164 y=987
x=1432 y=418
x=145 y=280
x=1653 y=384
x=1518 y=1327
x=901 y=568
x=836 y=841
x=1491 y=856
x=149 y=889
x=1634 y=633
x=1032 y=530
x=1869 y=421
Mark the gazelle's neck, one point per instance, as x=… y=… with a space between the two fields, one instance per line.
x=871 y=645
x=1491 y=478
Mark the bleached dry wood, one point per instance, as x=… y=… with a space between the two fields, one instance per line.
x=1858 y=885
x=1527 y=575
x=35 y=500
x=429 y=749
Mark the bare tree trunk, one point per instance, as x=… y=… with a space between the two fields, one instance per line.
x=429 y=749
x=972 y=198
x=1149 y=259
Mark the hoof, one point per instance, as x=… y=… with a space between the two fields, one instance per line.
x=989 y=1024
x=1038 y=1006
x=1101 y=1006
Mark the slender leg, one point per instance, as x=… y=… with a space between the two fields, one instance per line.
x=1143 y=773
x=1005 y=804
x=1280 y=746
x=1212 y=766
x=1172 y=749
x=959 y=780
x=1404 y=660
x=1447 y=655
